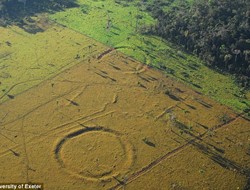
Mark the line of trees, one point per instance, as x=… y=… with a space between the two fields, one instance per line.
x=216 y=31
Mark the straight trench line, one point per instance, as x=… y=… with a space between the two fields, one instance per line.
x=52 y=76
x=53 y=133
x=156 y=162
x=38 y=106
x=169 y=154
x=26 y=159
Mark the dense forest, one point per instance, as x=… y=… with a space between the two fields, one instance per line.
x=216 y=31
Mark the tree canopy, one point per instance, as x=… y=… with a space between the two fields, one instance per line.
x=216 y=31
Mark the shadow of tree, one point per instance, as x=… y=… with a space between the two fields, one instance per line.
x=13 y=11
x=247 y=186
x=216 y=154
x=218 y=158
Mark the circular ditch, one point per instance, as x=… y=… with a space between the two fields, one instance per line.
x=94 y=153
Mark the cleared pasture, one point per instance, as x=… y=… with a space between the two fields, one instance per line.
x=119 y=24
x=111 y=123
x=26 y=59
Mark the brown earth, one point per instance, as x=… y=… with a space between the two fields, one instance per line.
x=112 y=123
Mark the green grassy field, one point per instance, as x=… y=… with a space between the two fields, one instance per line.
x=117 y=25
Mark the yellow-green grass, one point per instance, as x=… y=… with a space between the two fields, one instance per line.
x=115 y=123
x=91 y=18
x=27 y=59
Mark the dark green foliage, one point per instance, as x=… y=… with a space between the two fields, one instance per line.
x=225 y=118
x=216 y=31
x=15 y=10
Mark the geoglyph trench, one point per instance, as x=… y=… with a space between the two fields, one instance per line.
x=109 y=122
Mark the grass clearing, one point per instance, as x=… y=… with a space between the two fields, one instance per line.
x=112 y=122
x=92 y=19
x=27 y=59
x=98 y=119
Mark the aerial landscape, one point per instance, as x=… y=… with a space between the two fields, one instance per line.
x=125 y=94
